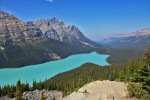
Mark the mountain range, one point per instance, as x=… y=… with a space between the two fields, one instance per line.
x=138 y=39
x=27 y=43
x=56 y=29
x=12 y=29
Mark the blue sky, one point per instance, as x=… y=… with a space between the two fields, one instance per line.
x=95 y=18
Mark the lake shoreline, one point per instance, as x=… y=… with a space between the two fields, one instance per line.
x=47 y=70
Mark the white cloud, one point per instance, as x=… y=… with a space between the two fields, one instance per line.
x=49 y=1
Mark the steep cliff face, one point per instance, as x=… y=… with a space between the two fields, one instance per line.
x=13 y=29
x=56 y=29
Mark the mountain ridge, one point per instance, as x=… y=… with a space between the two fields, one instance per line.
x=138 y=39
x=13 y=29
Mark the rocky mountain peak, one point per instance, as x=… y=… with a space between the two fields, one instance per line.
x=64 y=33
x=54 y=19
x=4 y=14
x=5 y=17
x=58 y=30
x=75 y=32
x=13 y=29
x=49 y=22
x=72 y=27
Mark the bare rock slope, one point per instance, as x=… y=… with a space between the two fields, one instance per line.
x=101 y=90
x=13 y=29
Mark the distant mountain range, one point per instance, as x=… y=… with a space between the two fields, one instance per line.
x=26 y=43
x=138 y=39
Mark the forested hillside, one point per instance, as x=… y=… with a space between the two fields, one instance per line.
x=22 y=54
x=123 y=55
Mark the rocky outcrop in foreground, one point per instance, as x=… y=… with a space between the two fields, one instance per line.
x=101 y=90
x=36 y=95
x=98 y=90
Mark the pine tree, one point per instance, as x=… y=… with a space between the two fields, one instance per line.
x=27 y=87
x=10 y=91
x=141 y=89
x=34 y=85
x=143 y=73
x=18 y=94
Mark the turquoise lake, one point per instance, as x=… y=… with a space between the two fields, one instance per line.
x=49 y=69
